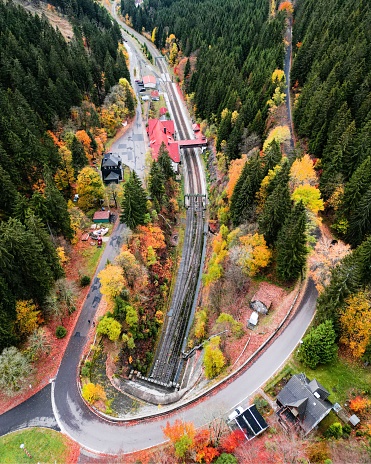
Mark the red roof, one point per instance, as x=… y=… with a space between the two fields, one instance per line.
x=149 y=80
x=155 y=93
x=101 y=215
x=162 y=132
x=163 y=111
x=196 y=127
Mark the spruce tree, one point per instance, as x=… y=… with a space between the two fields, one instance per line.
x=243 y=197
x=275 y=211
x=134 y=203
x=79 y=159
x=291 y=244
x=319 y=346
x=164 y=162
x=157 y=185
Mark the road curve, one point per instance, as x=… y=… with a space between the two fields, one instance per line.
x=102 y=436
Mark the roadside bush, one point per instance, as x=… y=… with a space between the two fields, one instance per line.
x=85 y=281
x=226 y=458
x=60 y=332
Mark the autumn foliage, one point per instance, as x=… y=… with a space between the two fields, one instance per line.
x=230 y=442
x=93 y=392
x=286 y=6
x=355 y=323
x=360 y=405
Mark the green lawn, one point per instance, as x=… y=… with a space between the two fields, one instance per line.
x=92 y=256
x=44 y=445
x=338 y=378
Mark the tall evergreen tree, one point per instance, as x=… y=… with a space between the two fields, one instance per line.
x=243 y=197
x=165 y=162
x=319 y=346
x=134 y=203
x=291 y=244
x=79 y=159
x=157 y=185
x=276 y=210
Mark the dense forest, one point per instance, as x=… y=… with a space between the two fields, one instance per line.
x=237 y=47
x=42 y=77
x=332 y=71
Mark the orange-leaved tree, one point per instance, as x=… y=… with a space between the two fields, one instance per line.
x=286 y=6
x=181 y=435
x=234 y=172
x=360 y=405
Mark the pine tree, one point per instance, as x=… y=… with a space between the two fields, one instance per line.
x=134 y=203
x=157 y=185
x=243 y=198
x=165 y=162
x=79 y=159
x=275 y=211
x=291 y=245
x=272 y=156
x=319 y=346
x=360 y=220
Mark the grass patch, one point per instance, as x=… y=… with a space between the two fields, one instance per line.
x=44 y=445
x=278 y=381
x=339 y=378
x=91 y=256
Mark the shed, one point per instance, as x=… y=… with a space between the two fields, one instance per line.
x=354 y=420
x=253 y=321
x=101 y=216
x=261 y=301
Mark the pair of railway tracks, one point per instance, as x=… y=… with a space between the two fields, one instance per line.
x=167 y=364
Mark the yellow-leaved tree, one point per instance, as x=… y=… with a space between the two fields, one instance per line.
x=302 y=172
x=255 y=254
x=214 y=360
x=93 y=392
x=355 y=323
x=310 y=196
x=280 y=134
x=112 y=281
x=90 y=188
x=28 y=316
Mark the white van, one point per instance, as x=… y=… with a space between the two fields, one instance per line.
x=238 y=411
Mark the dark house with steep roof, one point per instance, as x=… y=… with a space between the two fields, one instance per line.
x=111 y=169
x=303 y=403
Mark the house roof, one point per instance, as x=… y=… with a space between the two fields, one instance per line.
x=195 y=127
x=251 y=422
x=162 y=132
x=109 y=159
x=154 y=93
x=163 y=111
x=111 y=176
x=149 y=80
x=101 y=215
x=298 y=393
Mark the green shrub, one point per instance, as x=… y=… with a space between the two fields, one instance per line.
x=85 y=280
x=334 y=431
x=60 y=331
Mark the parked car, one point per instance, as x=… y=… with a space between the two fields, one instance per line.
x=238 y=411
x=142 y=90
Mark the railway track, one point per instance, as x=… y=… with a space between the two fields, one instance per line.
x=167 y=363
